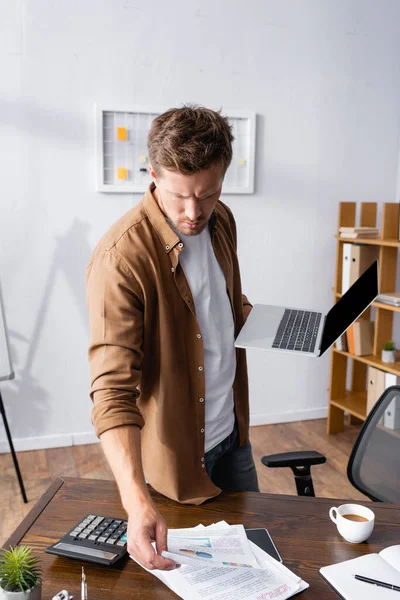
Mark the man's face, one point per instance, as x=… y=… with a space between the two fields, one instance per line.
x=188 y=200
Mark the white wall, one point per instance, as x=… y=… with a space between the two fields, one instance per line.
x=322 y=75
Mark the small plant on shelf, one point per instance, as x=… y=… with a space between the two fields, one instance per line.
x=389 y=352
x=20 y=574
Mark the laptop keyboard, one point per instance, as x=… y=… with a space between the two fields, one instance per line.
x=297 y=330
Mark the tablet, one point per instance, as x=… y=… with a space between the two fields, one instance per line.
x=263 y=540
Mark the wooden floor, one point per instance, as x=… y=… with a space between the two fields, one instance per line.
x=39 y=467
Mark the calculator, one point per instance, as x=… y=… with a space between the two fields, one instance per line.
x=95 y=539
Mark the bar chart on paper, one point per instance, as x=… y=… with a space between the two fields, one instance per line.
x=122 y=158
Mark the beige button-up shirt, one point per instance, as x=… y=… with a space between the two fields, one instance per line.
x=146 y=351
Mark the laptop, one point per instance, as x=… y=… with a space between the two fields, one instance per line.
x=308 y=332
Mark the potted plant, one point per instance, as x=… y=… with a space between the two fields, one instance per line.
x=389 y=352
x=20 y=574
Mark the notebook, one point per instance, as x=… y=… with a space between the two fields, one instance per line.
x=384 y=566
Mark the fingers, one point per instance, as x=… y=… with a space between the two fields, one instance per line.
x=143 y=551
x=141 y=548
x=161 y=536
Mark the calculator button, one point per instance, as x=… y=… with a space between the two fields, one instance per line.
x=102 y=539
x=110 y=541
x=121 y=543
x=93 y=537
x=83 y=536
x=74 y=533
x=117 y=522
x=99 y=520
x=91 y=517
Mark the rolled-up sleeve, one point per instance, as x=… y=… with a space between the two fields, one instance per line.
x=116 y=342
x=247 y=306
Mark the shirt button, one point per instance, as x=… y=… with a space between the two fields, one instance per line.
x=202 y=431
x=167 y=247
x=200 y=368
x=199 y=335
x=202 y=460
x=180 y=245
x=172 y=269
x=201 y=399
x=203 y=465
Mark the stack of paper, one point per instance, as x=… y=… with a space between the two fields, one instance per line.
x=392 y=298
x=359 y=232
x=220 y=563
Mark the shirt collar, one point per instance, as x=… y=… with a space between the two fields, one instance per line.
x=167 y=235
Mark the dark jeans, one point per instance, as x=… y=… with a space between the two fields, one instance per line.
x=230 y=466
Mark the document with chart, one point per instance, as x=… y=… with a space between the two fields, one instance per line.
x=242 y=570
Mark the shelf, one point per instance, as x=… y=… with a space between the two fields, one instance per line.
x=372 y=242
x=380 y=305
x=375 y=361
x=352 y=375
x=355 y=403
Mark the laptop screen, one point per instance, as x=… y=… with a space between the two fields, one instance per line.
x=350 y=306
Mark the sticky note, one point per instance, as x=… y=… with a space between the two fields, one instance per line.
x=242 y=162
x=142 y=158
x=122 y=173
x=122 y=133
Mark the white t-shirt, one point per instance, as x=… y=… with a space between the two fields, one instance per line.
x=214 y=316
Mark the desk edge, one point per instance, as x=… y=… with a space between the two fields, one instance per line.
x=33 y=514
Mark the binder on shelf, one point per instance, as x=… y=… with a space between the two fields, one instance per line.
x=350 y=339
x=378 y=381
x=375 y=386
x=391 y=418
x=341 y=343
x=346 y=267
x=363 y=333
x=362 y=257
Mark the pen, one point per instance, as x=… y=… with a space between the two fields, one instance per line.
x=83 y=586
x=388 y=586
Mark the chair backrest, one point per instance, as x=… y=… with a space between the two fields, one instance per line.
x=374 y=464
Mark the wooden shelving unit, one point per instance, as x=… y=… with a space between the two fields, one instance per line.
x=354 y=401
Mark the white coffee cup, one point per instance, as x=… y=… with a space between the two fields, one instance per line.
x=352 y=530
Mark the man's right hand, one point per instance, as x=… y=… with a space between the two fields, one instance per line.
x=146 y=525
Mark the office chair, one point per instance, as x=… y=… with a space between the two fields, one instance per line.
x=374 y=463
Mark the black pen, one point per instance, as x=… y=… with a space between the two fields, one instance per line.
x=388 y=586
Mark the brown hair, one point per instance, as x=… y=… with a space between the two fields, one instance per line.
x=190 y=139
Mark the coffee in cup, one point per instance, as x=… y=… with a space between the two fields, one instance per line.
x=354 y=522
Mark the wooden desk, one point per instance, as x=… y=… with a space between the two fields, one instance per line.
x=300 y=527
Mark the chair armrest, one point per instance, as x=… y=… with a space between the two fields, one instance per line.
x=294 y=459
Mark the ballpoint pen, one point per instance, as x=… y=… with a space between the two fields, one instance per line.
x=83 y=586
x=383 y=584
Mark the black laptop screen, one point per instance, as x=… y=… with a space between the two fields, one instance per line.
x=350 y=306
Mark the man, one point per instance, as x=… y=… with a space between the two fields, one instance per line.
x=164 y=294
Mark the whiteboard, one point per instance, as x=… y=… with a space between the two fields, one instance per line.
x=122 y=158
x=6 y=371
